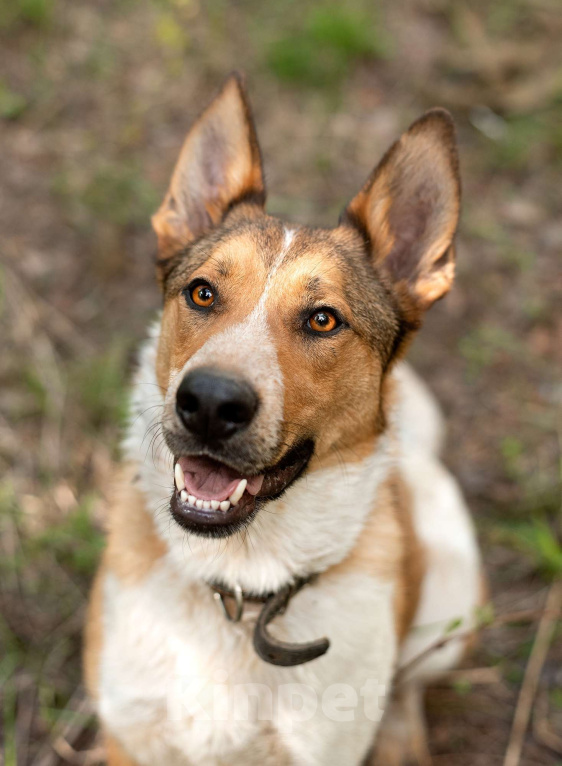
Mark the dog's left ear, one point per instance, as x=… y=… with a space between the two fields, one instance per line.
x=408 y=211
x=219 y=165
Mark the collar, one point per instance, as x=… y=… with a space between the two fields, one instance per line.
x=267 y=647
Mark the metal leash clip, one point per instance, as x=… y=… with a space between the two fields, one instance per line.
x=239 y=601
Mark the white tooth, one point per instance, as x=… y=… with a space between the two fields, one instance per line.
x=215 y=505
x=191 y=499
x=199 y=504
x=238 y=492
x=225 y=505
x=183 y=495
x=207 y=504
x=178 y=475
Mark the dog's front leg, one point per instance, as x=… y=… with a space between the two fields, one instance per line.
x=402 y=739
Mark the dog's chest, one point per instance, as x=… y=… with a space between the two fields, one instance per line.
x=181 y=685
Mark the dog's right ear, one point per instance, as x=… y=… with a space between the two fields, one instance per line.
x=408 y=212
x=219 y=165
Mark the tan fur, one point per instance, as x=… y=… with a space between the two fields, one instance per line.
x=389 y=532
x=183 y=332
x=324 y=387
x=389 y=550
x=115 y=754
x=133 y=545
x=402 y=738
x=412 y=567
x=93 y=635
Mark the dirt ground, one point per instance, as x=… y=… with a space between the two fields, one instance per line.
x=95 y=98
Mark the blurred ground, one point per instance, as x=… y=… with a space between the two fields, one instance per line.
x=95 y=98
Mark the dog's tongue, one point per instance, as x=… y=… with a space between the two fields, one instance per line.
x=210 y=480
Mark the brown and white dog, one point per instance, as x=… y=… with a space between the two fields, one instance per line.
x=296 y=475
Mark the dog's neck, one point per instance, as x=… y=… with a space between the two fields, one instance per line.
x=299 y=534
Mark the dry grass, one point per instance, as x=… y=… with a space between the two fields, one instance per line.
x=94 y=100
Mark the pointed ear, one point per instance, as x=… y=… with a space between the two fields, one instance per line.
x=219 y=165
x=408 y=211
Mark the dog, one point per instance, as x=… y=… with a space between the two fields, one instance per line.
x=284 y=546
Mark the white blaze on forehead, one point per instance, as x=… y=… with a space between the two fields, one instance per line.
x=288 y=237
x=248 y=348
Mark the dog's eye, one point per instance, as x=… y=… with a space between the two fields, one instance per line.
x=323 y=321
x=202 y=295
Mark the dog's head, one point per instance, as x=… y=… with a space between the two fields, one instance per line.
x=276 y=339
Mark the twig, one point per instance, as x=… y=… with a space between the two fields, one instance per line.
x=66 y=730
x=65 y=751
x=523 y=615
x=95 y=756
x=541 y=726
x=528 y=691
x=46 y=315
x=435 y=647
x=24 y=721
x=92 y=757
x=473 y=676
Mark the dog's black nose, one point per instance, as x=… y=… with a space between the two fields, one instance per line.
x=215 y=405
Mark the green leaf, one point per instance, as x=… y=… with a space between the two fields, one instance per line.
x=12 y=104
x=453 y=625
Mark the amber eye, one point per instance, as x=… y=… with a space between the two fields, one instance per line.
x=323 y=321
x=202 y=295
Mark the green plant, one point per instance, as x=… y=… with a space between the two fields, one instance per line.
x=538 y=540
x=512 y=450
x=75 y=542
x=331 y=40
x=12 y=104
x=35 y=13
x=527 y=138
x=171 y=34
x=484 y=345
x=119 y=194
x=100 y=384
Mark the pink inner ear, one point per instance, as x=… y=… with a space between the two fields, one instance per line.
x=410 y=223
x=205 y=183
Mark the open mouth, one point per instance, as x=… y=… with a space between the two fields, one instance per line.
x=211 y=498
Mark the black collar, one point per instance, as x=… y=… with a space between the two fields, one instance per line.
x=268 y=648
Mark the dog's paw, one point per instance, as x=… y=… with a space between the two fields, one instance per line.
x=402 y=737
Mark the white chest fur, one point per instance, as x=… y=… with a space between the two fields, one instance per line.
x=181 y=685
